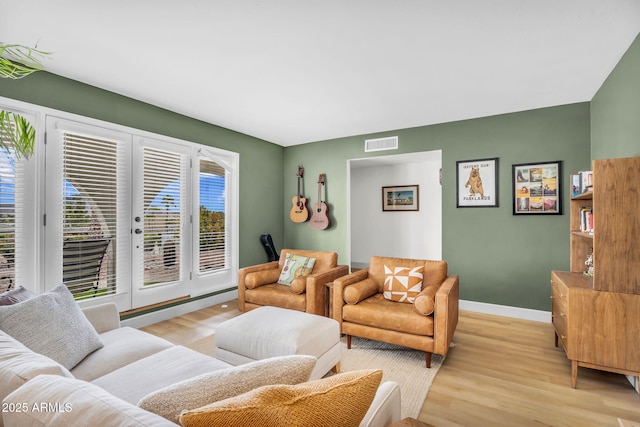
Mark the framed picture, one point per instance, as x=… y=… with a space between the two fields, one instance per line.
x=537 y=188
x=401 y=198
x=477 y=183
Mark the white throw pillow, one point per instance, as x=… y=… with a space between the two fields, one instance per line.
x=18 y=365
x=53 y=325
x=224 y=383
x=50 y=400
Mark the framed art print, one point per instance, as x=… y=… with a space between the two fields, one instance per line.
x=537 y=188
x=477 y=183
x=401 y=198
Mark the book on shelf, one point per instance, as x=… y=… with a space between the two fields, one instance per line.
x=586 y=220
x=575 y=185
x=586 y=181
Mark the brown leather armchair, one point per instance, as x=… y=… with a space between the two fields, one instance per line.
x=426 y=324
x=257 y=285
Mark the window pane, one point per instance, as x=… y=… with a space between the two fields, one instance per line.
x=213 y=208
x=10 y=187
x=163 y=200
x=12 y=208
x=90 y=196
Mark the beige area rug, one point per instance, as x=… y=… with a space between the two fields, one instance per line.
x=402 y=365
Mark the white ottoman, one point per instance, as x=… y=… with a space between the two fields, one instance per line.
x=272 y=331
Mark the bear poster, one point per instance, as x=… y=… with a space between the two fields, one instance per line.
x=477 y=183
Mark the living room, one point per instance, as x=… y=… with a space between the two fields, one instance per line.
x=503 y=260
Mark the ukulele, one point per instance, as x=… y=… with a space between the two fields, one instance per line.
x=320 y=219
x=299 y=212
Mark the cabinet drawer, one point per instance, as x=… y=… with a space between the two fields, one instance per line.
x=560 y=324
x=559 y=310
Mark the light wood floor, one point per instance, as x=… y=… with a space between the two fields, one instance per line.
x=501 y=372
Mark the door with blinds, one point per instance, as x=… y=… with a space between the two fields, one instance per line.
x=87 y=231
x=116 y=214
x=137 y=220
x=160 y=208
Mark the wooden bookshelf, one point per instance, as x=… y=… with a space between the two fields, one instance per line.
x=597 y=319
x=581 y=242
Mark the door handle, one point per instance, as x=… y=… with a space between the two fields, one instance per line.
x=138 y=231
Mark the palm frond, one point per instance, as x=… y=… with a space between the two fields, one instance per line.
x=17 y=61
x=16 y=133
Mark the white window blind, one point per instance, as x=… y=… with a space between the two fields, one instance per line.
x=164 y=183
x=11 y=215
x=213 y=237
x=92 y=177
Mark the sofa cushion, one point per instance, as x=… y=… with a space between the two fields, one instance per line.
x=224 y=383
x=342 y=399
x=380 y=313
x=18 y=365
x=138 y=379
x=402 y=284
x=122 y=346
x=57 y=401
x=52 y=324
x=276 y=295
x=14 y=296
x=294 y=267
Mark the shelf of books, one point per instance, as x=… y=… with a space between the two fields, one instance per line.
x=582 y=220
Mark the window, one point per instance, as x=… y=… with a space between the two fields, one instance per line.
x=134 y=218
x=91 y=179
x=164 y=183
x=11 y=214
x=212 y=249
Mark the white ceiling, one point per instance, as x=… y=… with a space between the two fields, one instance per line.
x=295 y=71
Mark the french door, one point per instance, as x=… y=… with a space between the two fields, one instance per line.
x=136 y=220
x=159 y=216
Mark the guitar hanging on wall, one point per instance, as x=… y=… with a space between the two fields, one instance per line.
x=299 y=212
x=320 y=219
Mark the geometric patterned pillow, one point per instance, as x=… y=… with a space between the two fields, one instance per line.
x=402 y=284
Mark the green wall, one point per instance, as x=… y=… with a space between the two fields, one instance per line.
x=261 y=163
x=615 y=110
x=501 y=258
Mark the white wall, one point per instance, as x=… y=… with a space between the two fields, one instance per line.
x=397 y=234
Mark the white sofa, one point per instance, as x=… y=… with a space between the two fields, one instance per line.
x=106 y=387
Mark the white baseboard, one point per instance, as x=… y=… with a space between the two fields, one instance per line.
x=507 y=311
x=179 y=310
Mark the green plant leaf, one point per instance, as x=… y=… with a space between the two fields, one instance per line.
x=19 y=132
x=17 y=61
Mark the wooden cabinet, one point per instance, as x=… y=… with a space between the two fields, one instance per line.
x=597 y=329
x=597 y=319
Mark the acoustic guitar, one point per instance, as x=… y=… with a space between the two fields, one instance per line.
x=320 y=219
x=299 y=211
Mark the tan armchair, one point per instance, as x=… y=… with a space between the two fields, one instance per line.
x=257 y=285
x=426 y=324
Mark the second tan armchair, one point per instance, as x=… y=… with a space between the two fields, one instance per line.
x=428 y=323
x=257 y=284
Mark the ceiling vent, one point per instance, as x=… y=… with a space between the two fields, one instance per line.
x=380 y=144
